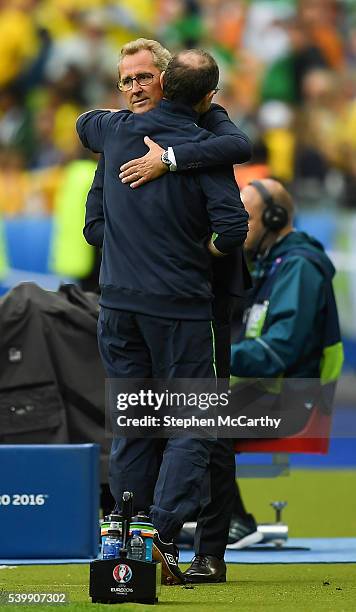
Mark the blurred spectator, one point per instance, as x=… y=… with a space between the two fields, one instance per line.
x=306 y=55
x=18 y=38
x=14 y=182
x=3 y=249
x=351 y=47
x=185 y=28
x=227 y=25
x=256 y=169
x=283 y=80
x=264 y=35
x=16 y=130
x=348 y=152
x=71 y=255
x=46 y=152
x=326 y=129
x=85 y=58
x=319 y=19
x=61 y=102
x=276 y=120
x=23 y=192
x=317 y=130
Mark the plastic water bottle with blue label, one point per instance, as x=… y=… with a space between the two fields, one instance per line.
x=137 y=549
x=112 y=545
x=143 y=523
x=110 y=522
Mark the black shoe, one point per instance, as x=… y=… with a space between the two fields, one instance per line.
x=243 y=532
x=206 y=568
x=168 y=555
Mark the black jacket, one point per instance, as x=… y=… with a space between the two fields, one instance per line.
x=230 y=146
x=154 y=255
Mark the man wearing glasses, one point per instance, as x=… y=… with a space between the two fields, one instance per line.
x=140 y=65
x=140 y=68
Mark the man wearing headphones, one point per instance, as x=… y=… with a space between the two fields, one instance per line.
x=290 y=320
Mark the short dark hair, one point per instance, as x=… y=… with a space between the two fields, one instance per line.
x=187 y=81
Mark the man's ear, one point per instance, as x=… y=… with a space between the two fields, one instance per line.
x=209 y=96
x=205 y=103
x=161 y=78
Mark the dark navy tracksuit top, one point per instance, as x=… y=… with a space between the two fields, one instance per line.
x=155 y=259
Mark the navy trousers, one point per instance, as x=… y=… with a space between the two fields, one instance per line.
x=218 y=493
x=169 y=471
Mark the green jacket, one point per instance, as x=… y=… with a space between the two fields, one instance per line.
x=71 y=255
x=283 y=334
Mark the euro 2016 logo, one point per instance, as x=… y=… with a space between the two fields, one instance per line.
x=122 y=573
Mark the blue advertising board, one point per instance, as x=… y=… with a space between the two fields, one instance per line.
x=49 y=501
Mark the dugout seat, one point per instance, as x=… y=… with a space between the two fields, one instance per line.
x=313 y=438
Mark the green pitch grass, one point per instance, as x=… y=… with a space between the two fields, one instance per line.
x=321 y=504
x=304 y=588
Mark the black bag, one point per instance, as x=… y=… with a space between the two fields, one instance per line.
x=52 y=383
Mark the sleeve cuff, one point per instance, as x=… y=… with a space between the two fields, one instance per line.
x=226 y=244
x=172 y=159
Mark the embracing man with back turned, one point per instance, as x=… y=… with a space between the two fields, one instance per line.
x=155 y=319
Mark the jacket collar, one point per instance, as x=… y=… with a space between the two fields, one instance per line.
x=271 y=251
x=175 y=108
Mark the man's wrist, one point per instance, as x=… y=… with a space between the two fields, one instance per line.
x=213 y=250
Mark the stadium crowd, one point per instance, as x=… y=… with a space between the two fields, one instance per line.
x=288 y=80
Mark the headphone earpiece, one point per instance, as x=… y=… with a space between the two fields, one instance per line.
x=274 y=217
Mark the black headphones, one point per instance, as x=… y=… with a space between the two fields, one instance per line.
x=274 y=217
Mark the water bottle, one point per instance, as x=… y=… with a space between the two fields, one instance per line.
x=112 y=545
x=136 y=546
x=148 y=548
x=142 y=522
x=110 y=522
